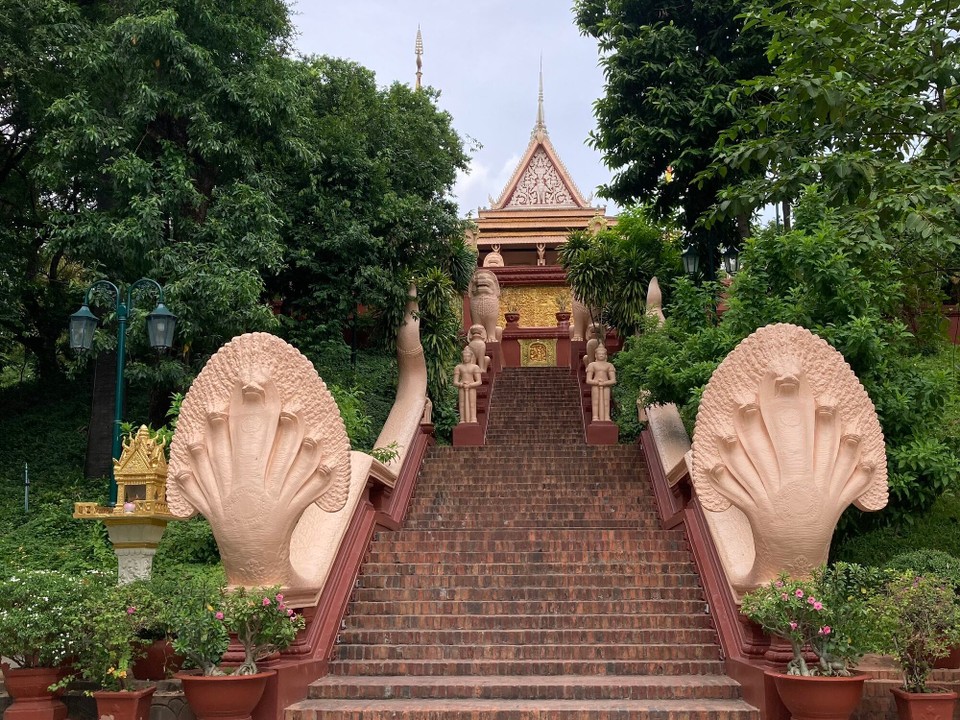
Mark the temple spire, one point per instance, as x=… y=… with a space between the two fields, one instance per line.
x=419 y=51
x=541 y=124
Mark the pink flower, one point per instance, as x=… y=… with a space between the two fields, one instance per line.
x=290 y=612
x=793 y=625
x=818 y=606
x=811 y=599
x=131 y=610
x=219 y=616
x=266 y=601
x=825 y=630
x=779 y=583
x=282 y=606
x=799 y=593
x=279 y=597
x=784 y=596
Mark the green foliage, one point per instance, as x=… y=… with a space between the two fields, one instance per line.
x=610 y=271
x=928 y=562
x=108 y=647
x=850 y=296
x=44 y=615
x=830 y=612
x=919 y=621
x=861 y=102
x=200 y=635
x=670 y=68
x=936 y=529
x=369 y=207
x=188 y=542
x=439 y=301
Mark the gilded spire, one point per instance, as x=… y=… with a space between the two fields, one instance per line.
x=419 y=51
x=541 y=125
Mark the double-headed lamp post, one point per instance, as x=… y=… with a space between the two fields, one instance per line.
x=160 y=326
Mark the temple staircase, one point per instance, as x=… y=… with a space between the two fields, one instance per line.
x=531 y=580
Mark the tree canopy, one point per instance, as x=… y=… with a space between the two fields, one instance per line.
x=183 y=141
x=670 y=68
x=863 y=103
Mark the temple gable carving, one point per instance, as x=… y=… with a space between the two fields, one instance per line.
x=540 y=184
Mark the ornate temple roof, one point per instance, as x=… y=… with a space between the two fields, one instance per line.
x=540 y=204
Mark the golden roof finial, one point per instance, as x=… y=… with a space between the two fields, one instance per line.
x=541 y=125
x=419 y=51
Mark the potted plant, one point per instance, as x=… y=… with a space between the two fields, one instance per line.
x=829 y=613
x=262 y=624
x=108 y=650
x=40 y=622
x=919 y=621
x=943 y=565
x=150 y=614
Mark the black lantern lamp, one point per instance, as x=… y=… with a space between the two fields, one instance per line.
x=691 y=259
x=160 y=326
x=731 y=260
x=82 y=325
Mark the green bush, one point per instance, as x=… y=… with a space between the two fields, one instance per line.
x=928 y=562
x=850 y=296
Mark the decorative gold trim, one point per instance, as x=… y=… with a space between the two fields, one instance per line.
x=538 y=353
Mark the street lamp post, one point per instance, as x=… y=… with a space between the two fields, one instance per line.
x=161 y=324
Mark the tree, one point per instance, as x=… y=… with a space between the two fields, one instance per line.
x=370 y=206
x=670 y=67
x=818 y=277
x=610 y=271
x=863 y=104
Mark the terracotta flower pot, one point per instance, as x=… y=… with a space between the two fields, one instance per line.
x=158 y=662
x=819 y=698
x=31 y=699
x=125 y=705
x=224 y=697
x=924 y=706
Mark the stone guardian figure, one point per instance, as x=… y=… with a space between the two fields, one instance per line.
x=466 y=377
x=478 y=343
x=484 y=294
x=601 y=376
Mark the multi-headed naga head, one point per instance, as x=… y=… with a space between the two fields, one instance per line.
x=788 y=436
x=259 y=438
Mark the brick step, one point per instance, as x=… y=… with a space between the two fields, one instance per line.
x=530 y=594
x=557 y=687
x=424 y=509
x=528 y=582
x=453 y=542
x=605 y=636
x=432 y=522
x=419 y=709
x=455 y=568
x=657 y=606
x=527 y=667
x=536 y=653
x=534 y=535
x=552 y=492
x=379 y=554
x=579 y=621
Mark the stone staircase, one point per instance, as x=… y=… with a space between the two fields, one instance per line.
x=531 y=580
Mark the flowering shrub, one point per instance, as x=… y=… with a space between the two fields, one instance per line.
x=919 y=621
x=262 y=623
x=258 y=617
x=116 y=615
x=42 y=615
x=830 y=612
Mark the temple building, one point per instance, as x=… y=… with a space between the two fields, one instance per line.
x=518 y=236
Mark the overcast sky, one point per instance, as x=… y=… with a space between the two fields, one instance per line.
x=483 y=56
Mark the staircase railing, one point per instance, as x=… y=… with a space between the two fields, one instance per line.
x=381 y=507
x=665 y=447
